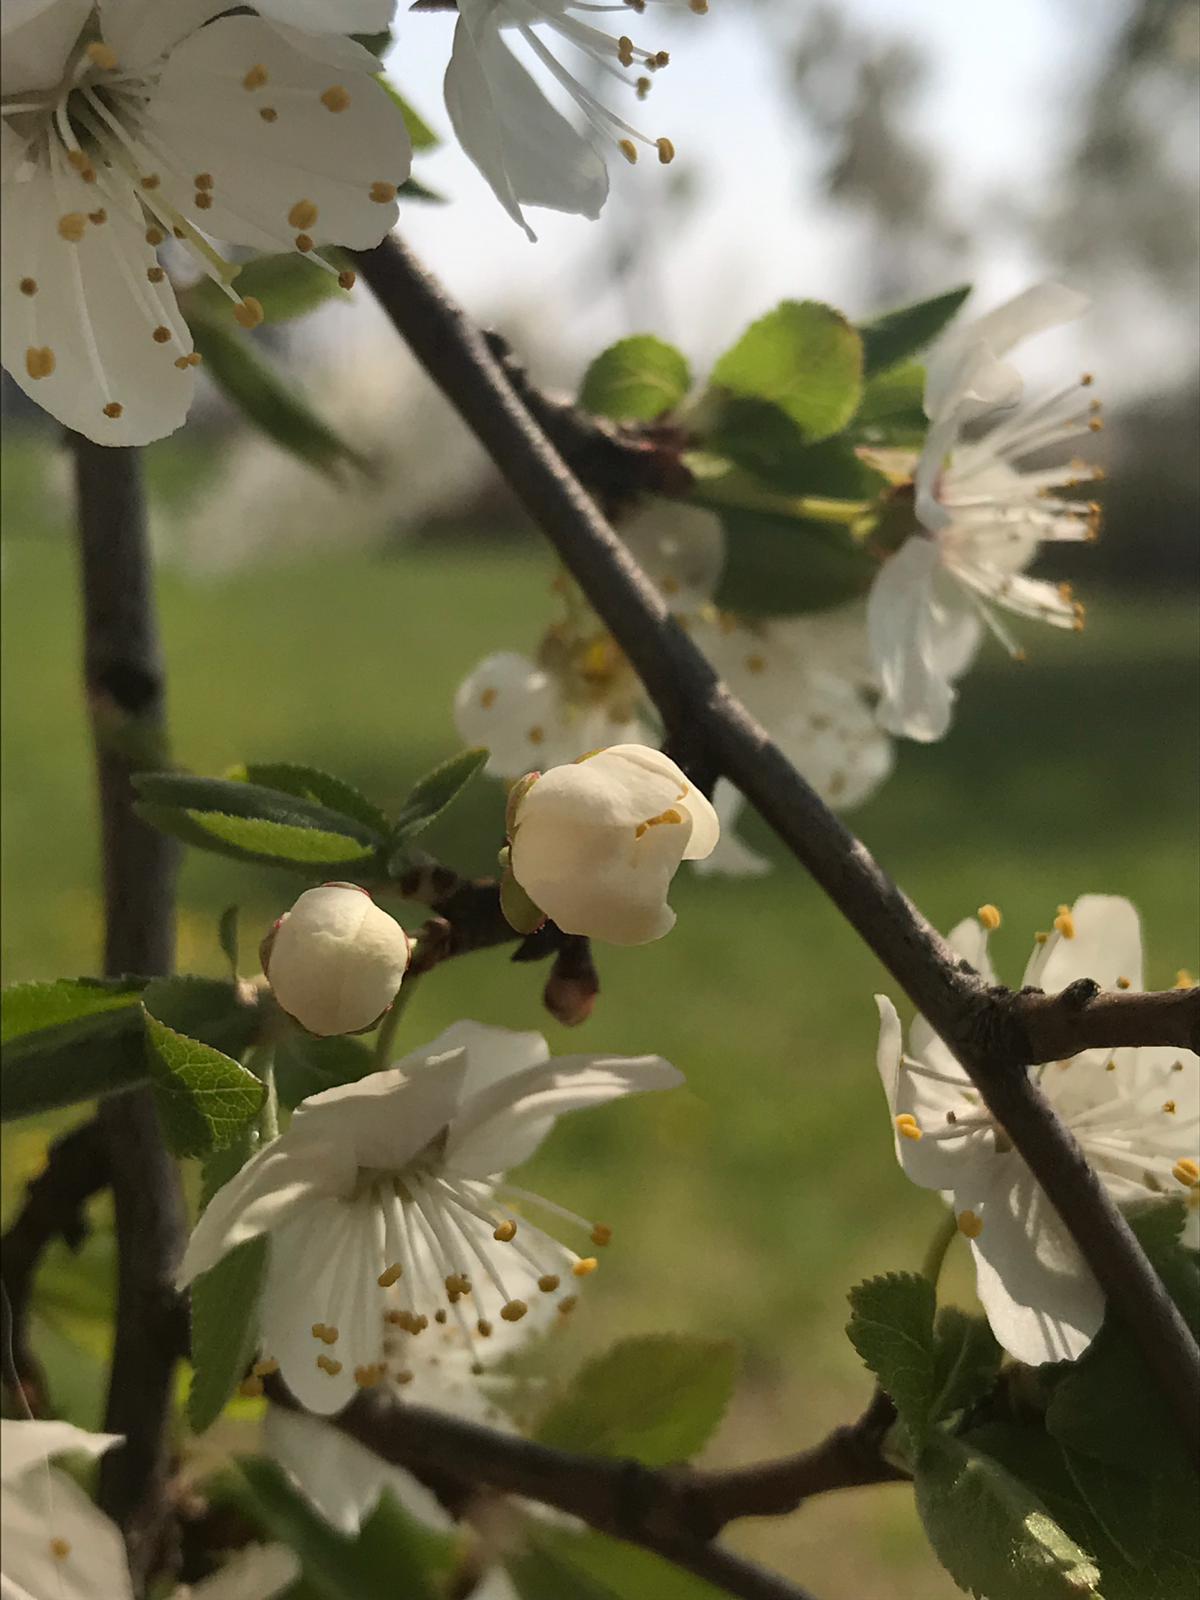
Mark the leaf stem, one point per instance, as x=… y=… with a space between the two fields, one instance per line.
x=935 y=1256
x=262 y=1062
x=386 y=1036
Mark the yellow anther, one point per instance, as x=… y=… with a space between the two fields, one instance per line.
x=255 y=78
x=666 y=151
x=989 y=915
x=114 y=409
x=202 y=200
x=567 y=1304
x=513 y=1311
x=660 y=58
x=700 y=7
x=1087 y=380
x=1096 y=425
x=204 y=180
x=382 y=193
x=665 y=817
x=268 y=113
x=1184 y=979
x=335 y=98
x=60 y=1549
x=906 y=1126
x=265 y=1367
x=1187 y=1172
x=1040 y=938
x=39 y=361
x=625 y=50
x=483 y=1328
x=251 y=1387
x=155 y=236
x=161 y=334
x=367 y=1377
x=505 y=1233
x=28 y=286
x=302 y=215
x=488 y=698
x=457 y=1284
x=329 y=1365
x=585 y=1268
x=72 y=226
x=970 y=1224
x=150 y=181
x=440 y=1318
x=1170 y=1107
x=536 y=734
x=643 y=88
x=1065 y=591
x=629 y=150
x=78 y=160
x=304 y=243
x=756 y=664
x=156 y=274
x=602 y=1234
x=547 y=1283
x=102 y=55
x=1065 y=922
x=1124 y=983
x=248 y=312
x=98 y=218
x=347 y=279
x=404 y=1377
x=388 y=1277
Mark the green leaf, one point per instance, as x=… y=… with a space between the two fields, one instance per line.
x=253 y=823
x=430 y=797
x=213 y=1010
x=306 y=1065
x=310 y=783
x=66 y=1003
x=636 y=380
x=656 y=1398
x=204 y=1097
x=337 y=1567
x=82 y=1059
x=555 y=1564
x=891 y=1327
x=227 y=937
x=966 y=1359
x=287 y=286
x=224 y=1302
x=271 y=402
x=419 y=131
x=892 y=412
x=764 y=441
x=898 y=335
x=989 y=1530
x=805 y=358
x=782 y=566
x=414 y=189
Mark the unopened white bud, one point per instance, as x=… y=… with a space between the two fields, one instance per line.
x=595 y=844
x=336 y=961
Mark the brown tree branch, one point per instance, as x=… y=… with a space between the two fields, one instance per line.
x=123 y=679
x=987 y=1029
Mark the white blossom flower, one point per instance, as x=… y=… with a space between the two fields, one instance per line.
x=596 y=843
x=372 y=1178
x=57 y=1545
x=984 y=513
x=146 y=119
x=1134 y=1112
x=335 y=960
x=527 y=150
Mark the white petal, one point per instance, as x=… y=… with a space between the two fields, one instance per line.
x=1107 y=945
x=38 y=38
x=889 y=1049
x=732 y=858
x=330 y=16
x=289 y=1175
x=1040 y=1297
x=922 y=634
x=309 y=156
x=47 y=1506
x=342 y=1478
x=337 y=960
x=680 y=548
x=1035 y=309
x=27 y=1444
x=94 y=309
x=260 y=1572
x=525 y=148
x=323 y=1271
x=142 y=31
x=621 y=897
x=517 y=712
x=834 y=740
x=503 y=1126
x=385 y=1119
x=493 y=1054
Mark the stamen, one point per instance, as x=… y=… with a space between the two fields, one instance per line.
x=970 y=1224
x=1187 y=1172
x=989 y=915
x=335 y=98
x=906 y=1126
x=1065 y=922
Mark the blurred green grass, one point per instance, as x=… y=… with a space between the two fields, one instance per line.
x=748 y=1204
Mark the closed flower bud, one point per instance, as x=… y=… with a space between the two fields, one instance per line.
x=335 y=960
x=595 y=844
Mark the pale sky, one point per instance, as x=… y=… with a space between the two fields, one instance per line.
x=998 y=104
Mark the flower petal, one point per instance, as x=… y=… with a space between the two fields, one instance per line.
x=1041 y=1298
x=82 y=320
x=519 y=712
x=42 y=1509
x=1035 y=309
x=526 y=149
x=330 y=16
x=503 y=1126
x=259 y=1572
x=309 y=170
x=732 y=858
x=1106 y=945
x=493 y=1054
x=384 y=1119
x=342 y=1478
x=28 y=1444
x=922 y=634
x=38 y=38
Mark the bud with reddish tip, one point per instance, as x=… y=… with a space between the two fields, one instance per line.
x=335 y=960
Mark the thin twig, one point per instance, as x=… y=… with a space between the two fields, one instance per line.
x=123 y=678
x=993 y=1032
